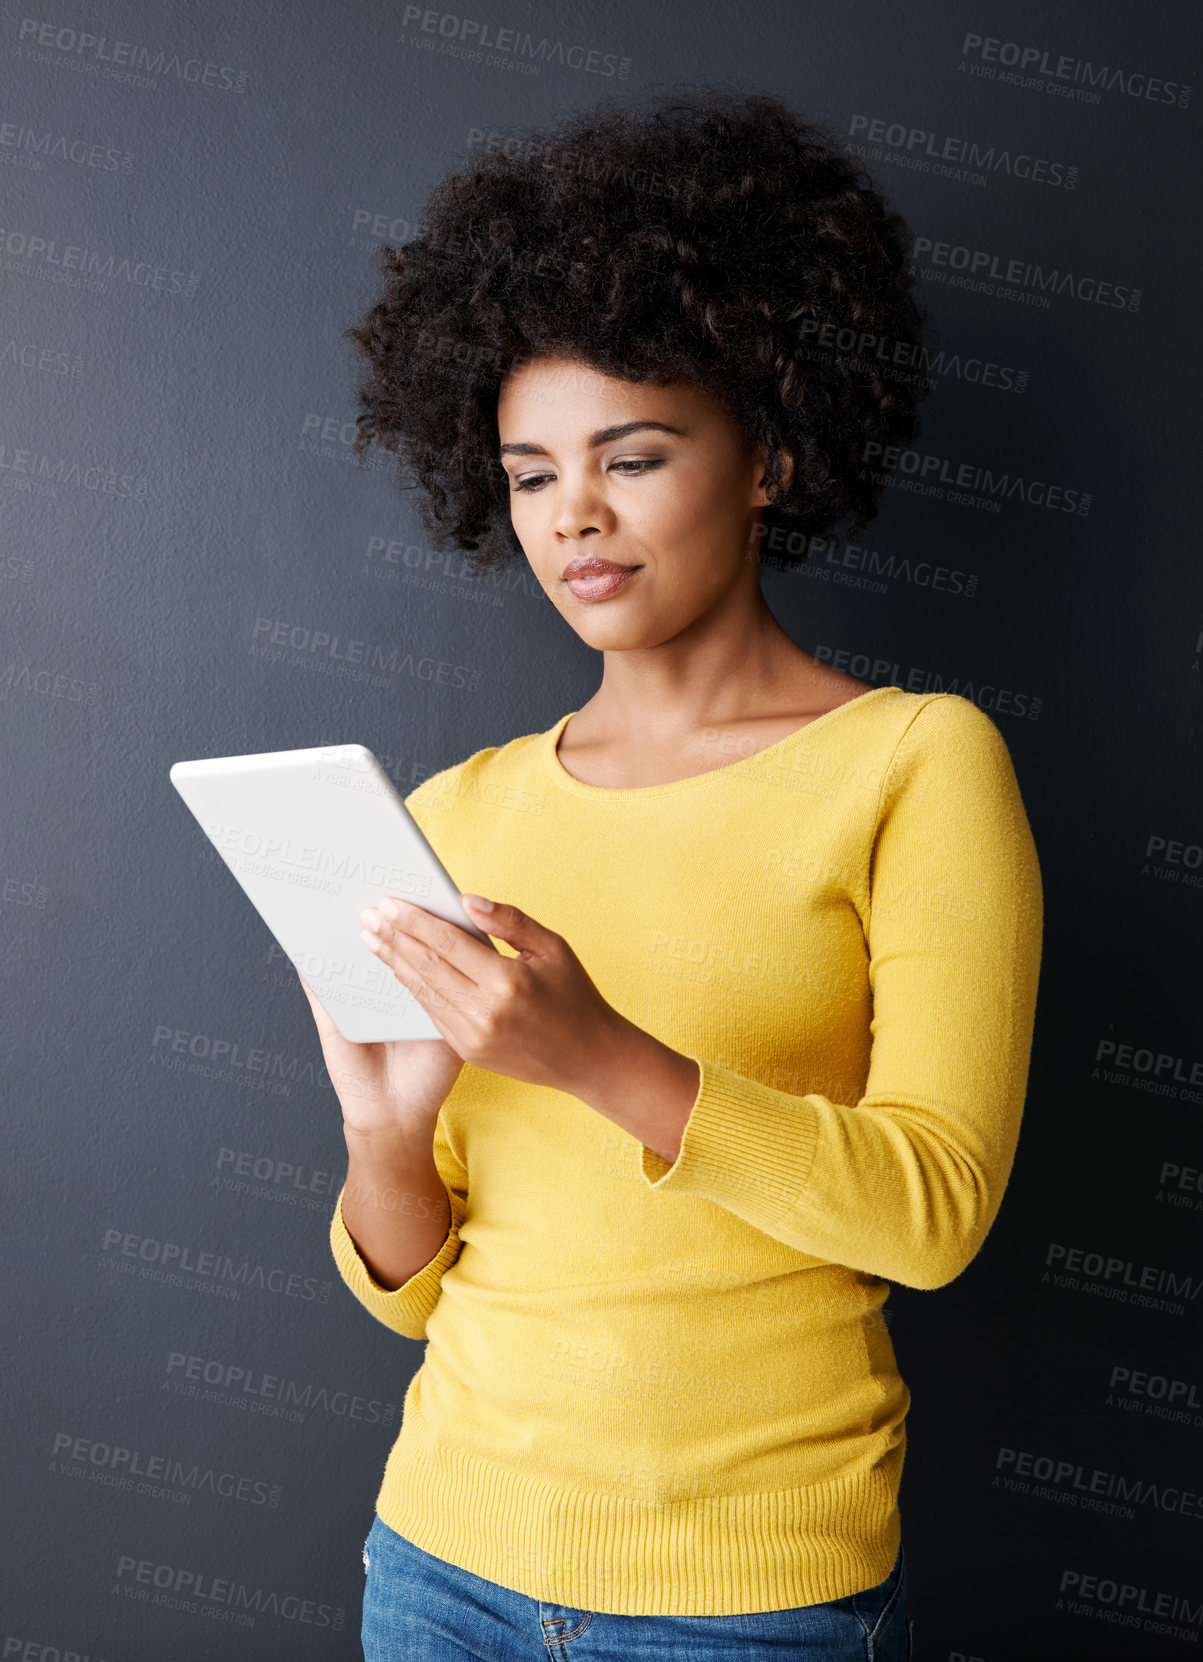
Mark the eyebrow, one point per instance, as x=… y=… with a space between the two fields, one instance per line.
x=604 y=435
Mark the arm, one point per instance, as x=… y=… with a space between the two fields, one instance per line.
x=395 y=1228
x=906 y=1184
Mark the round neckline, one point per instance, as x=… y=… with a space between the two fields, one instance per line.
x=570 y=782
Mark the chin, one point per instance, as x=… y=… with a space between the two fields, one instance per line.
x=631 y=635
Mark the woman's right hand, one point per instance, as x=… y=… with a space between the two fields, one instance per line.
x=387 y=1085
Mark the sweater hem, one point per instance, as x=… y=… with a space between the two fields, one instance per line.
x=719 y=1555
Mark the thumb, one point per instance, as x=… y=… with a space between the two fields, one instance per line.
x=507 y=923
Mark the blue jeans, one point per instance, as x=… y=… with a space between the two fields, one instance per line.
x=416 y=1608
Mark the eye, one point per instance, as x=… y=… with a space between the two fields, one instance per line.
x=638 y=465
x=643 y=464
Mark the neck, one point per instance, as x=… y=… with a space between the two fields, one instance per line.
x=734 y=664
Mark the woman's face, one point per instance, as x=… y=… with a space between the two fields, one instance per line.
x=679 y=503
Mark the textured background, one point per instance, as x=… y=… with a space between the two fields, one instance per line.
x=193 y=564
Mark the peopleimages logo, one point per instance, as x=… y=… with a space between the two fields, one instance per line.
x=1180 y=1186
x=46 y=360
x=983 y=271
x=1108 y=1276
x=469 y=37
x=1064 y=74
x=33 y=1650
x=98 y=55
x=273 y=640
x=828 y=341
x=210 y=1379
x=45 y=257
x=119 y=1466
x=168 y=1261
x=22 y=466
x=37 y=145
x=1095 y=1490
x=202 y=1594
x=947 y=157
x=1156 y=1072
x=969 y=484
x=1155 y=1395
x=1124 y=1603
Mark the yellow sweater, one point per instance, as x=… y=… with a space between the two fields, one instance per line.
x=669 y=1390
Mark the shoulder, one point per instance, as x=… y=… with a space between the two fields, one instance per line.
x=946 y=721
x=901 y=728
x=946 y=747
x=485 y=775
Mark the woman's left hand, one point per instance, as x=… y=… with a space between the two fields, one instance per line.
x=537 y=1017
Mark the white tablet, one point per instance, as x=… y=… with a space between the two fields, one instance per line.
x=314 y=836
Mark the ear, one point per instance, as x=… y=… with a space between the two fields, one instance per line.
x=787 y=473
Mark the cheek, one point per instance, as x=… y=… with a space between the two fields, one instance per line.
x=524 y=520
x=691 y=513
x=528 y=515
x=541 y=558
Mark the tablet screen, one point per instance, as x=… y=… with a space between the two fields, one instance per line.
x=312 y=837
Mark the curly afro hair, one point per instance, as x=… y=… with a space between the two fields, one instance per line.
x=708 y=237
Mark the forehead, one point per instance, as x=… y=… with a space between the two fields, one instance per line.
x=567 y=393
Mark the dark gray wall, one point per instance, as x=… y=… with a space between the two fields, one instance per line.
x=192 y=564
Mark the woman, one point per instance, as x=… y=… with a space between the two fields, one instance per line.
x=754 y=1039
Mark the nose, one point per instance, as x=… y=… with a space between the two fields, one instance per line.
x=580 y=510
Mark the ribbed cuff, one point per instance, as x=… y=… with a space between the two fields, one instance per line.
x=405 y=1308
x=745 y=1146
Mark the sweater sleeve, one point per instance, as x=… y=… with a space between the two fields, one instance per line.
x=905 y=1184
x=406 y=1308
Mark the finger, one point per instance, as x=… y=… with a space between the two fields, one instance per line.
x=434 y=947
x=315 y=1004
x=526 y=935
x=468 y=955
x=327 y=1027
x=442 y=990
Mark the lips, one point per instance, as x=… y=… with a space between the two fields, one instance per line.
x=598 y=582
x=592 y=568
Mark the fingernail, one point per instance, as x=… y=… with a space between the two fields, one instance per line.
x=477 y=902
